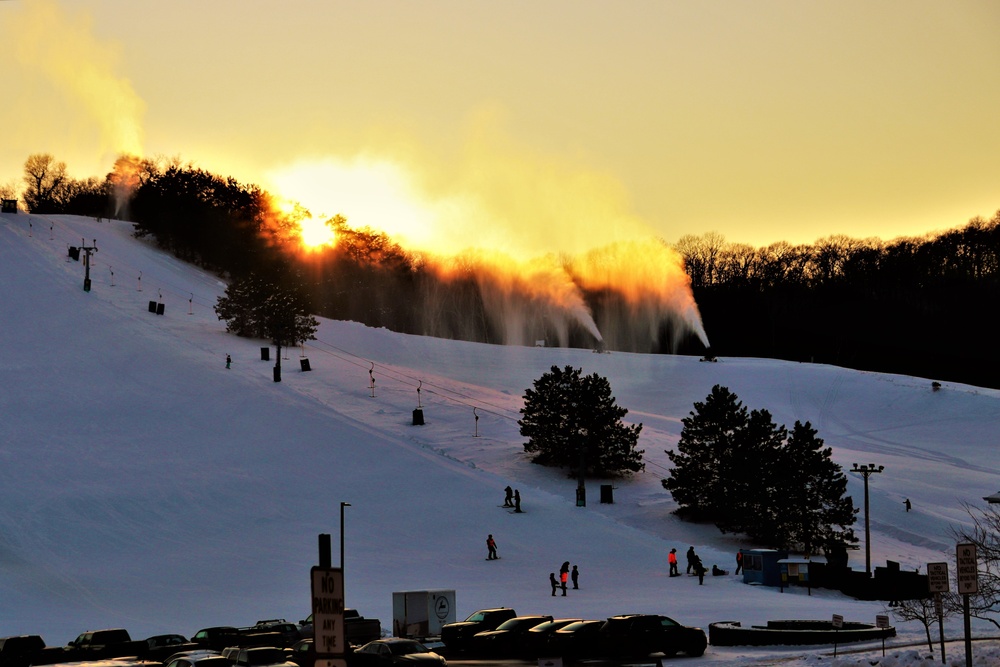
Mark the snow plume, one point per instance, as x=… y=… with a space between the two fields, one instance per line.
x=522 y=302
x=64 y=50
x=641 y=287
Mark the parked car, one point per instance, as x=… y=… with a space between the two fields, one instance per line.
x=198 y=659
x=262 y=656
x=395 y=652
x=504 y=641
x=358 y=630
x=20 y=651
x=192 y=653
x=534 y=643
x=303 y=653
x=581 y=639
x=289 y=631
x=161 y=647
x=217 y=638
x=458 y=636
x=638 y=635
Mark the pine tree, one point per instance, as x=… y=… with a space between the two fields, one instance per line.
x=710 y=434
x=746 y=474
x=257 y=308
x=573 y=422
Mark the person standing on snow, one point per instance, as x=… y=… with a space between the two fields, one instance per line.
x=229 y=361
x=739 y=561
x=564 y=576
x=508 y=500
x=552 y=580
x=691 y=557
x=672 y=559
x=575 y=576
x=491 y=546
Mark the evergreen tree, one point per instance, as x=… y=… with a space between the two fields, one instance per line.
x=710 y=435
x=573 y=421
x=256 y=308
x=818 y=513
x=741 y=471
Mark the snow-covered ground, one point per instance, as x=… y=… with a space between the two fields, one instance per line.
x=143 y=485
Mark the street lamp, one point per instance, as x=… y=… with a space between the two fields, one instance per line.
x=867 y=471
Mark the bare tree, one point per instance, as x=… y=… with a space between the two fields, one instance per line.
x=45 y=181
x=985 y=534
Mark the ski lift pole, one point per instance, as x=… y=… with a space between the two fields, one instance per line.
x=371 y=379
x=474 y=414
x=420 y=383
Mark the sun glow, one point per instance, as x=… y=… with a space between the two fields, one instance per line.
x=315 y=233
x=376 y=194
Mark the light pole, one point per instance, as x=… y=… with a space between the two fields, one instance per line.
x=867 y=471
x=342 y=506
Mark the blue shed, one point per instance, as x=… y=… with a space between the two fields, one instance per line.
x=760 y=566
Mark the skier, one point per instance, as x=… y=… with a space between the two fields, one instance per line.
x=508 y=500
x=552 y=580
x=517 y=500
x=575 y=576
x=691 y=556
x=672 y=559
x=491 y=546
x=908 y=505
x=229 y=361
x=564 y=576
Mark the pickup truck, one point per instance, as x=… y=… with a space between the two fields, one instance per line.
x=358 y=630
x=102 y=644
x=458 y=636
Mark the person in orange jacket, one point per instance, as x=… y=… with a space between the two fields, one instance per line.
x=672 y=559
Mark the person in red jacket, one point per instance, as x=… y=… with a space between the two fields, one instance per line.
x=491 y=545
x=672 y=559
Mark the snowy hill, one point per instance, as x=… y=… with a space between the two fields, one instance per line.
x=144 y=485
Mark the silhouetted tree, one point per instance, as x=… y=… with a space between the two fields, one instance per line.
x=741 y=471
x=257 y=308
x=45 y=182
x=572 y=421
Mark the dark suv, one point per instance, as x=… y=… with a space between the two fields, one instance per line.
x=638 y=635
x=20 y=651
x=458 y=636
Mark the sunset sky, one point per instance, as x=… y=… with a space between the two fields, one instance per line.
x=537 y=125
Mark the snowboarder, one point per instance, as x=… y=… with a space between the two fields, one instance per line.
x=691 y=556
x=718 y=571
x=739 y=562
x=575 y=576
x=517 y=500
x=491 y=546
x=508 y=500
x=908 y=505
x=672 y=559
x=564 y=576
x=552 y=580
x=229 y=361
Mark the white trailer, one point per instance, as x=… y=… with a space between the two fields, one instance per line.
x=420 y=614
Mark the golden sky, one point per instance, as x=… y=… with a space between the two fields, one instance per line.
x=536 y=125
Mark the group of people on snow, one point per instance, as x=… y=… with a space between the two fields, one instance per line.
x=565 y=574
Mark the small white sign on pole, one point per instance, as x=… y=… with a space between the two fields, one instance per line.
x=881 y=621
x=968 y=569
x=937 y=577
x=838 y=621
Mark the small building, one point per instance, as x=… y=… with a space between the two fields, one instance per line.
x=760 y=566
x=8 y=206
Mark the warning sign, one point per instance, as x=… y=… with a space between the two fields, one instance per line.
x=968 y=569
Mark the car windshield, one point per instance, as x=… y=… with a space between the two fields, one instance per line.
x=475 y=618
x=668 y=622
x=407 y=648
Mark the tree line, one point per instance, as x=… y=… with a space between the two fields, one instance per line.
x=917 y=306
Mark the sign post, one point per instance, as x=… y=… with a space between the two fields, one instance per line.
x=838 y=623
x=968 y=584
x=882 y=622
x=937 y=583
x=328 y=616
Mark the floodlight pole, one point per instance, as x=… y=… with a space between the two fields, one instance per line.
x=86 y=263
x=342 y=506
x=867 y=471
